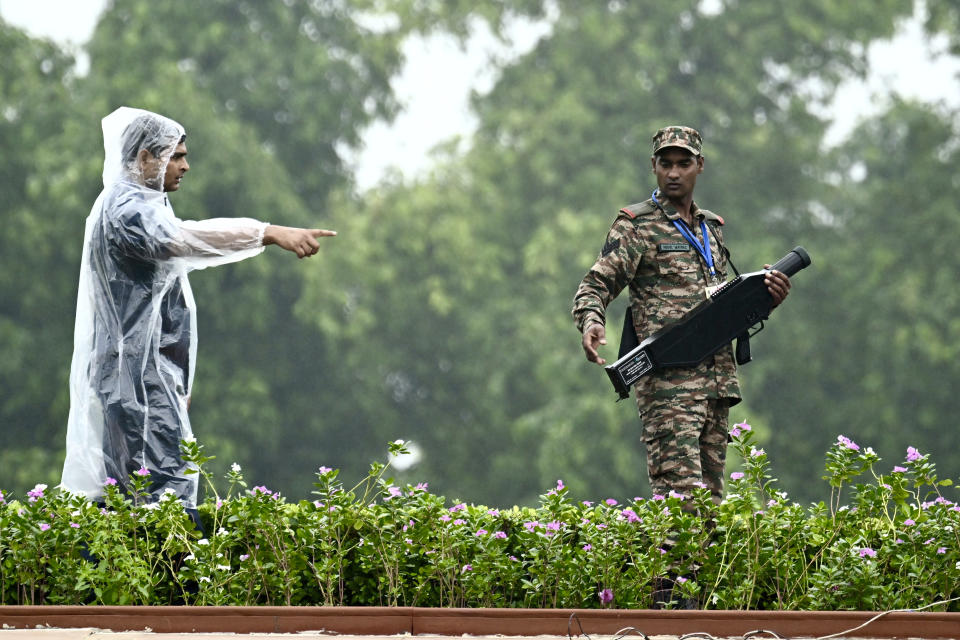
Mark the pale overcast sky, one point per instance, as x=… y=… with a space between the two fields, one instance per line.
x=439 y=76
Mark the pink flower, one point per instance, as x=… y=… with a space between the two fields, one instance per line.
x=480 y=532
x=143 y=472
x=866 y=552
x=445 y=518
x=848 y=443
x=681 y=579
x=457 y=507
x=324 y=470
x=738 y=429
x=606 y=596
x=466 y=567
x=530 y=526
x=110 y=481
x=244 y=556
x=913 y=455
x=500 y=534
x=587 y=547
x=942 y=550
x=908 y=522
x=394 y=492
x=44 y=526
x=630 y=515
x=459 y=521
x=899 y=469
x=37 y=492
x=610 y=501
x=74 y=525
x=736 y=475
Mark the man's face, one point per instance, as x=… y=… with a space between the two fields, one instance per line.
x=176 y=167
x=677 y=170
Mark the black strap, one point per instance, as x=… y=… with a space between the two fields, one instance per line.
x=742 y=351
x=726 y=252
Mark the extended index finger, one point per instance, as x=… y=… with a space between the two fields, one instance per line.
x=320 y=233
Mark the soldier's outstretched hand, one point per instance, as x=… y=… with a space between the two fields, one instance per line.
x=593 y=338
x=302 y=242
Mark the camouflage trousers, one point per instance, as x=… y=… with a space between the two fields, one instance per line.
x=686 y=444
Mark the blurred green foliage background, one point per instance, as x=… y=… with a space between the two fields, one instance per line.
x=441 y=312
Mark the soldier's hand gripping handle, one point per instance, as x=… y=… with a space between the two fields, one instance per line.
x=593 y=337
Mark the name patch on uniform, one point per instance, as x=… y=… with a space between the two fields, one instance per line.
x=673 y=246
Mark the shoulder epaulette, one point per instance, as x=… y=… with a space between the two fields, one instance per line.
x=710 y=216
x=639 y=209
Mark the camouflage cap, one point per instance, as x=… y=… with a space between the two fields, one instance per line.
x=678 y=136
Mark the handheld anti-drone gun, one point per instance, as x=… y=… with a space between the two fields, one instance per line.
x=730 y=312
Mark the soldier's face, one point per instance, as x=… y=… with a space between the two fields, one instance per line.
x=677 y=170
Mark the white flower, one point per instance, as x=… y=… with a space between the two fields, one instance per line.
x=190 y=439
x=222 y=532
x=235 y=467
x=223 y=567
x=203 y=541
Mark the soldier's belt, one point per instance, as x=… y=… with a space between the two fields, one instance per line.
x=731 y=311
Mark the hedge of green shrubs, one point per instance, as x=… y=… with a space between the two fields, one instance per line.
x=888 y=543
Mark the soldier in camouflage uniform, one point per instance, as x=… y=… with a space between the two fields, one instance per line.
x=648 y=249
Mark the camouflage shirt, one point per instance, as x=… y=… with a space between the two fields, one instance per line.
x=667 y=278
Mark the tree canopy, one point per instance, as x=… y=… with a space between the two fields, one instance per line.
x=441 y=313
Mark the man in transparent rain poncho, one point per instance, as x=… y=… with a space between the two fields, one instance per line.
x=135 y=340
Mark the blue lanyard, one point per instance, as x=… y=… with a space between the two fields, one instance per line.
x=687 y=233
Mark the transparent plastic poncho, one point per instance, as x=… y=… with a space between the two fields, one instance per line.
x=135 y=339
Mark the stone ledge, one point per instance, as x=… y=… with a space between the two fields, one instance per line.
x=387 y=621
